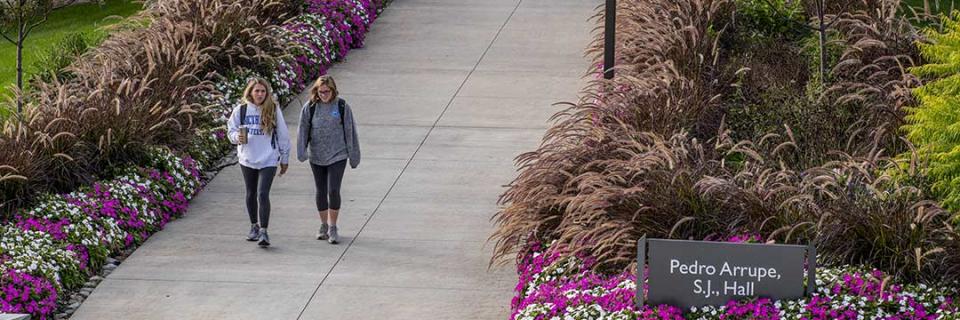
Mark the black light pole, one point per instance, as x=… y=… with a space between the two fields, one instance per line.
x=608 y=38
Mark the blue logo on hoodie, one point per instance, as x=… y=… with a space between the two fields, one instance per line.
x=335 y=113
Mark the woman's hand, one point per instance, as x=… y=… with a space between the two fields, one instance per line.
x=283 y=168
x=242 y=136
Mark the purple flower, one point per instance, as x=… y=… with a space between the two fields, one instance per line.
x=82 y=254
x=753 y=309
x=25 y=293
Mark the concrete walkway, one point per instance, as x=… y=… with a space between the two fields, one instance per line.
x=447 y=93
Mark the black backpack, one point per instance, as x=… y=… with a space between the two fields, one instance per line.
x=243 y=118
x=313 y=110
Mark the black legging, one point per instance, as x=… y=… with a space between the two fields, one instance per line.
x=258 y=193
x=328 y=179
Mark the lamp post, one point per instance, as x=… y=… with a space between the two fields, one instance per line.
x=610 y=27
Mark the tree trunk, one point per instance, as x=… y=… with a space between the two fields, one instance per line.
x=21 y=25
x=926 y=7
x=20 y=68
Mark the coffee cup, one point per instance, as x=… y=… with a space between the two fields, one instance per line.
x=243 y=135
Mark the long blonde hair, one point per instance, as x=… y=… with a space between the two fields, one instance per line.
x=268 y=111
x=323 y=81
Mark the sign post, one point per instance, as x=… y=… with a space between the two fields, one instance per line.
x=609 y=33
x=697 y=273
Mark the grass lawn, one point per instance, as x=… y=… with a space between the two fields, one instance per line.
x=85 y=18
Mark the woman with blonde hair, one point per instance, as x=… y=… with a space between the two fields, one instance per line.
x=328 y=129
x=263 y=142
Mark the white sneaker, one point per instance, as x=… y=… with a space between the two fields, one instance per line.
x=322 y=233
x=334 y=238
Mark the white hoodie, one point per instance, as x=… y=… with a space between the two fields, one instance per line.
x=258 y=153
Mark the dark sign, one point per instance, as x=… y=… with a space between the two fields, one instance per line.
x=696 y=273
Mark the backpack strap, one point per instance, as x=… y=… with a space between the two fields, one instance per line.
x=273 y=135
x=243 y=114
x=341 y=104
x=273 y=140
x=313 y=110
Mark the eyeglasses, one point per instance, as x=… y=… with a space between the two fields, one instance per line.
x=325 y=91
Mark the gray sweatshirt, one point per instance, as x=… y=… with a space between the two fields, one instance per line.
x=329 y=140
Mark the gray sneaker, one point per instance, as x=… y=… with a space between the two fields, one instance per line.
x=334 y=238
x=264 y=239
x=322 y=233
x=254 y=234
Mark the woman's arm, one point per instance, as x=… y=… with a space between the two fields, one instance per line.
x=233 y=125
x=353 y=142
x=283 y=138
x=302 y=132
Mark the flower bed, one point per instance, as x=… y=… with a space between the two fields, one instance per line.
x=325 y=33
x=554 y=285
x=54 y=247
x=59 y=243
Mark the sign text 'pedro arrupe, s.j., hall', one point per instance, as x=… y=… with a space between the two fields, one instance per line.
x=696 y=273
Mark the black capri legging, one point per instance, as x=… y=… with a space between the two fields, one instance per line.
x=258 y=182
x=327 y=180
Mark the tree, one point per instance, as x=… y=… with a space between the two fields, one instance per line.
x=822 y=28
x=17 y=19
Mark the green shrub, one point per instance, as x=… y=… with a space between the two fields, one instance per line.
x=934 y=125
x=760 y=19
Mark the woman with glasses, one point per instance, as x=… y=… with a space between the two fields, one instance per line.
x=328 y=129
